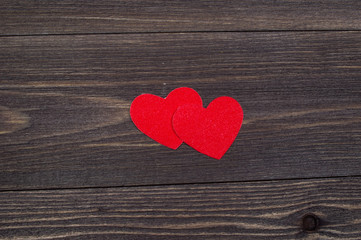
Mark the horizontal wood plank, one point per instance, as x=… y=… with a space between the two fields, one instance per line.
x=258 y=210
x=24 y=17
x=64 y=115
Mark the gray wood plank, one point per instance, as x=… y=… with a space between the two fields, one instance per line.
x=258 y=210
x=65 y=100
x=21 y=17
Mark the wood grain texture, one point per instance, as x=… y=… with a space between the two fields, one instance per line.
x=23 y=17
x=258 y=210
x=65 y=106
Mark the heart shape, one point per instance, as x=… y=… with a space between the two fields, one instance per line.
x=210 y=130
x=153 y=115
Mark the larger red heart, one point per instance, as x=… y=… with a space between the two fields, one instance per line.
x=210 y=130
x=153 y=115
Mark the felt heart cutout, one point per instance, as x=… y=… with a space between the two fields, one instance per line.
x=153 y=115
x=210 y=130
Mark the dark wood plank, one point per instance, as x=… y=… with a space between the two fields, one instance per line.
x=259 y=210
x=115 y=16
x=65 y=106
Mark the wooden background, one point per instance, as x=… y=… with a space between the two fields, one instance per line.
x=73 y=165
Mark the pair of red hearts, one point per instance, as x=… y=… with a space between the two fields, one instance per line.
x=181 y=117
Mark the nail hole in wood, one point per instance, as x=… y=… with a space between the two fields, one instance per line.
x=310 y=222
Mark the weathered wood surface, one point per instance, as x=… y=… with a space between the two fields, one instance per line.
x=258 y=210
x=24 y=17
x=65 y=106
x=70 y=69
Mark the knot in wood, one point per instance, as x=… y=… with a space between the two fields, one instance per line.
x=310 y=222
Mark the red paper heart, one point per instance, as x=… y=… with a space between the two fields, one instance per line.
x=210 y=130
x=153 y=115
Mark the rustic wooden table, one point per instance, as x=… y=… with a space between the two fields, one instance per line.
x=74 y=166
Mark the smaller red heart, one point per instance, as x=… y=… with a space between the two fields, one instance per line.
x=210 y=130
x=153 y=115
